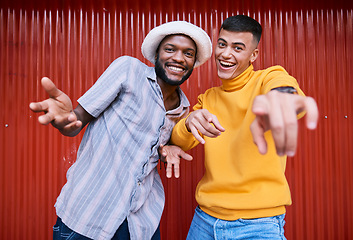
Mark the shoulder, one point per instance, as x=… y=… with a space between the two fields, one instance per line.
x=272 y=73
x=211 y=92
x=130 y=67
x=128 y=61
x=276 y=76
x=277 y=69
x=214 y=90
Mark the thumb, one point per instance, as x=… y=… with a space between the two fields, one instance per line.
x=50 y=87
x=216 y=123
x=162 y=151
x=258 y=132
x=185 y=156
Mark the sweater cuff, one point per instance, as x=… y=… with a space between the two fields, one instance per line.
x=182 y=137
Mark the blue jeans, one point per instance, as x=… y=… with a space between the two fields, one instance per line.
x=206 y=227
x=62 y=232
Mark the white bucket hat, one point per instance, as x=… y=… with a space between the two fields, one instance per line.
x=157 y=34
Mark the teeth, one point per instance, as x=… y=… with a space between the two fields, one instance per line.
x=227 y=64
x=177 y=69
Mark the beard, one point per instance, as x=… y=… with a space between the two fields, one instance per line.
x=161 y=73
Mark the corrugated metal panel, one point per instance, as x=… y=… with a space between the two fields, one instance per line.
x=74 y=41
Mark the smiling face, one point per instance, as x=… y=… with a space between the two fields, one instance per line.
x=175 y=59
x=234 y=53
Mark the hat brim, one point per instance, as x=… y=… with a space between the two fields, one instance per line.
x=157 y=34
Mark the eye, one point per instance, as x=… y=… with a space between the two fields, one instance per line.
x=189 y=54
x=238 y=48
x=169 y=49
x=221 y=44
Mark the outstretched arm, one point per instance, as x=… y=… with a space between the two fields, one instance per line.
x=204 y=122
x=171 y=155
x=277 y=112
x=59 y=112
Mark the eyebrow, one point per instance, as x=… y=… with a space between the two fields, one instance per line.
x=234 y=43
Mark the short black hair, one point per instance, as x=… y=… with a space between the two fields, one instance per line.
x=242 y=23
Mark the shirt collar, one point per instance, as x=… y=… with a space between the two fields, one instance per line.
x=184 y=102
x=151 y=74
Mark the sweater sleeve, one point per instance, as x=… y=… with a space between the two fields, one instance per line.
x=180 y=134
x=277 y=76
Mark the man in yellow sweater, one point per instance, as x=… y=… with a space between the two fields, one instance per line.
x=244 y=191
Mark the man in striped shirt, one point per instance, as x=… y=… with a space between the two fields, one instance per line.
x=113 y=189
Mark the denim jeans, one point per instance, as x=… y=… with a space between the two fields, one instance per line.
x=62 y=232
x=206 y=227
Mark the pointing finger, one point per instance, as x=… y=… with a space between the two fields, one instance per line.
x=312 y=113
x=197 y=135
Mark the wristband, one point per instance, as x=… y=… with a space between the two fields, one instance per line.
x=286 y=89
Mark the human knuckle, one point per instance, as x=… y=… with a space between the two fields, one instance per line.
x=277 y=127
x=291 y=124
x=192 y=121
x=273 y=93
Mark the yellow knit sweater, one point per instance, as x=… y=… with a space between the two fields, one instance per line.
x=239 y=182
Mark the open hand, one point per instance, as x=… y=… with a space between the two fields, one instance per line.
x=172 y=154
x=57 y=109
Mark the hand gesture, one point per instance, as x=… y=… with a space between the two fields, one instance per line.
x=171 y=155
x=57 y=109
x=204 y=122
x=277 y=112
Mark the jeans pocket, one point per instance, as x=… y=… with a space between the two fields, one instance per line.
x=259 y=220
x=263 y=228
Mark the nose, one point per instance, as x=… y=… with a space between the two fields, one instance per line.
x=227 y=52
x=178 y=56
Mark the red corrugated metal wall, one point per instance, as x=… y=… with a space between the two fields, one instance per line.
x=72 y=42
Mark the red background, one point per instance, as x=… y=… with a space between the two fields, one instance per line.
x=72 y=42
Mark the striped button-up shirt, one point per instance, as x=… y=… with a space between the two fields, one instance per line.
x=115 y=175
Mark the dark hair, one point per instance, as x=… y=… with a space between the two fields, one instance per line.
x=242 y=23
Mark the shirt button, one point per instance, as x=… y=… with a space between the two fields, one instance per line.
x=139 y=183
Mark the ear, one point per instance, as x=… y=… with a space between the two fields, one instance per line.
x=254 y=55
